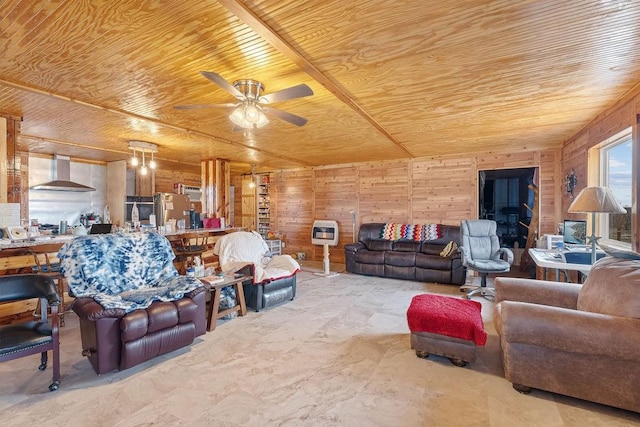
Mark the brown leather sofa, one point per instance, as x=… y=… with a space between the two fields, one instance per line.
x=112 y=339
x=578 y=340
x=405 y=259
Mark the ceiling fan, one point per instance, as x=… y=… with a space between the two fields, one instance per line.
x=251 y=109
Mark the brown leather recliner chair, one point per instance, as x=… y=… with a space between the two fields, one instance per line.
x=113 y=339
x=132 y=304
x=578 y=340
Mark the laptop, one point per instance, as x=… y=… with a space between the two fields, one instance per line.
x=100 y=229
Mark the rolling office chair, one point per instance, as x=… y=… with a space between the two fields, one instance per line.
x=481 y=252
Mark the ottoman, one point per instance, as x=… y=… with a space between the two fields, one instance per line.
x=446 y=326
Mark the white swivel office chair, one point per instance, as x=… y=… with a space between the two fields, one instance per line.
x=481 y=252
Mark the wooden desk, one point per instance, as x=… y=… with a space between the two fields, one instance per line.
x=213 y=312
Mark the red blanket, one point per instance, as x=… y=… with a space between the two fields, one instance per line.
x=453 y=317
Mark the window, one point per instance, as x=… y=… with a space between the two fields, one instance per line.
x=616 y=158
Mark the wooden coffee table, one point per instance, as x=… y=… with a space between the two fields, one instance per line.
x=214 y=288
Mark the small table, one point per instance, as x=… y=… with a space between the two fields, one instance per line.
x=214 y=289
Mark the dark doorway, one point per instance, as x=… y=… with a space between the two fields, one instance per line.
x=503 y=197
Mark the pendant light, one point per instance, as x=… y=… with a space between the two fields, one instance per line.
x=144 y=148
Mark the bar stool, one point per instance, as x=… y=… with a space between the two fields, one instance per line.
x=188 y=246
x=47 y=265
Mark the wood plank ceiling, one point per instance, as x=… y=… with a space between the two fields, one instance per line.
x=392 y=79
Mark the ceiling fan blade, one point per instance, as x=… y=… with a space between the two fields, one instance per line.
x=197 y=106
x=220 y=81
x=293 y=92
x=287 y=117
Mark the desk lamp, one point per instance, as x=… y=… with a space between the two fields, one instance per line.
x=595 y=200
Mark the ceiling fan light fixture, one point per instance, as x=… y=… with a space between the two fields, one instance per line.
x=252 y=114
x=248 y=117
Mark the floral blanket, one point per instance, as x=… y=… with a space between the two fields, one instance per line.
x=123 y=271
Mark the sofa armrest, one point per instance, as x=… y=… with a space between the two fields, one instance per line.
x=195 y=292
x=572 y=331
x=557 y=294
x=88 y=309
x=248 y=270
x=354 y=247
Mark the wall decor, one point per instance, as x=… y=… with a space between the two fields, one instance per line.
x=570 y=182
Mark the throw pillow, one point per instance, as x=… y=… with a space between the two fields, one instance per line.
x=450 y=249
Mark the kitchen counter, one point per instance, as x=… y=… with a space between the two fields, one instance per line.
x=6 y=244
x=15 y=244
x=213 y=231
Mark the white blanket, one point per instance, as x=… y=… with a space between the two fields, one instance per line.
x=235 y=250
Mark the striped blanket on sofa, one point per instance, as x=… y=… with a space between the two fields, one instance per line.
x=418 y=232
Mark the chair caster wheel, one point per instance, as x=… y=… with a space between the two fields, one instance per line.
x=458 y=362
x=54 y=386
x=422 y=354
x=522 y=388
x=42 y=366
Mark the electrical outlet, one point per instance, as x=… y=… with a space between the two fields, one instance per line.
x=284 y=244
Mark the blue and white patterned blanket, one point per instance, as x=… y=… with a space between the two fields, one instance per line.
x=123 y=271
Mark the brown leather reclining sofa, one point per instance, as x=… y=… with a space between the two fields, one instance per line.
x=405 y=259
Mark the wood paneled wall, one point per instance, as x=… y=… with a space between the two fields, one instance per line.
x=236 y=182
x=292 y=208
x=166 y=178
x=443 y=197
x=575 y=152
x=14 y=170
x=432 y=190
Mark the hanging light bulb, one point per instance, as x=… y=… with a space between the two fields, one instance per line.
x=252 y=183
x=134 y=159
x=152 y=163
x=143 y=169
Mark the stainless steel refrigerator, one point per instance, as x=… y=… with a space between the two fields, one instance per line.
x=171 y=206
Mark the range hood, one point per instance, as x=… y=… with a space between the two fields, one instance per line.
x=62 y=181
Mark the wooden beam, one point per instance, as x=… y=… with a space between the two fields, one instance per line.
x=246 y=15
